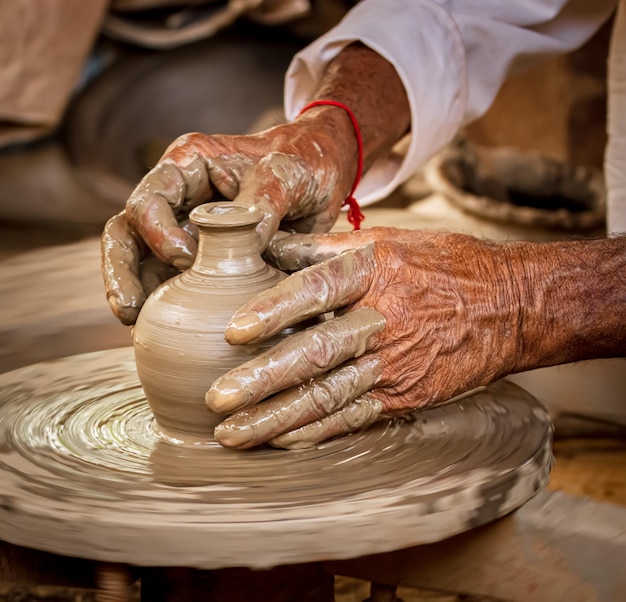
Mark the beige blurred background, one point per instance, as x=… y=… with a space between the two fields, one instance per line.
x=92 y=92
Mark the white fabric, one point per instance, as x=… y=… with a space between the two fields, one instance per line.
x=615 y=162
x=452 y=57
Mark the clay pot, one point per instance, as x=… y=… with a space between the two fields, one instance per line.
x=510 y=186
x=179 y=336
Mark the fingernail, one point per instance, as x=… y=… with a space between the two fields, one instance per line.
x=230 y=435
x=126 y=314
x=182 y=262
x=244 y=329
x=226 y=395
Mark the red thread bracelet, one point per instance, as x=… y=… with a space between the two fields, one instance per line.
x=355 y=216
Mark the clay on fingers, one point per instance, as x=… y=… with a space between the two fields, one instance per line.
x=359 y=414
x=296 y=359
x=153 y=210
x=294 y=252
x=121 y=254
x=154 y=272
x=335 y=284
x=299 y=406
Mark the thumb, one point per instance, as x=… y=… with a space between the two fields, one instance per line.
x=293 y=252
x=252 y=194
x=270 y=187
x=320 y=222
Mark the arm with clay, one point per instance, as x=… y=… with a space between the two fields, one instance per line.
x=419 y=314
x=298 y=174
x=420 y=64
x=421 y=317
x=451 y=57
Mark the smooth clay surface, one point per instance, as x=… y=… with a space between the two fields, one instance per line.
x=84 y=473
x=179 y=336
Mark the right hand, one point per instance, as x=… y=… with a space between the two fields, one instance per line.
x=298 y=173
x=421 y=317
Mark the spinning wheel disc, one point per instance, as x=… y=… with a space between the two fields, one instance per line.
x=84 y=473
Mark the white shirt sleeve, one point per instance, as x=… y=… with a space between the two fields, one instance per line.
x=452 y=57
x=615 y=158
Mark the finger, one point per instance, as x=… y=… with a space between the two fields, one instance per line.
x=252 y=195
x=331 y=285
x=357 y=415
x=154 y=205
x=294 y=252
x=121 y=253
x=153 y=272
x=282 y=186
x=298 y=406
x=266 y=188
x=317 y=222
x=296 y=359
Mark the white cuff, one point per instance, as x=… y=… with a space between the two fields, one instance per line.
x=402 y=32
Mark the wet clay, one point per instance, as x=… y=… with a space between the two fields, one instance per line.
x=179 y=335
x=84 y=472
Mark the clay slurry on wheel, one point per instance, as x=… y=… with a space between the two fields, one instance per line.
x=84 y=473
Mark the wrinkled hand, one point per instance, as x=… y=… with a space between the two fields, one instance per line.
x=298 y=172
x=420 y=318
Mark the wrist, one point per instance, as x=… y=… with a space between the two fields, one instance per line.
x=334 y=141
x=571 y=299
x=370 y=86
x=530 y=335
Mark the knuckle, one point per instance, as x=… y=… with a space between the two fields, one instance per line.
x=321 y=352
x=322 y=399
x=186 y=142
x=114 y=228
x=361 y=413
x=351 y=417
x=317 y=284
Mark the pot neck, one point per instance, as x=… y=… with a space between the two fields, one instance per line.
x=228 y=251
x=227 y=244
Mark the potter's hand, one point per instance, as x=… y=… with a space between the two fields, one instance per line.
x=298 y=173
x=421 y=317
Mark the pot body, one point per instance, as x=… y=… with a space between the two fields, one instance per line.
x=179 y=336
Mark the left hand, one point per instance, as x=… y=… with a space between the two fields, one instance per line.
x=294 y=173
x=421 y=317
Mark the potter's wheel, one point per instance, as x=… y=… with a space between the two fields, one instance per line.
x=82 y=473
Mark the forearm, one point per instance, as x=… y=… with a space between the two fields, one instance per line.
x=572 y=298
x=369 y=85
x=451 y=57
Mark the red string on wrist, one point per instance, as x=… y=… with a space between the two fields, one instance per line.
x=355 y=216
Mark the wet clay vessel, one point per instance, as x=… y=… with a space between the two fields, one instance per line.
x=179 y=336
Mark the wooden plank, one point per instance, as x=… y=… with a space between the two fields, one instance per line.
x=53 y=305
x=556 y=547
